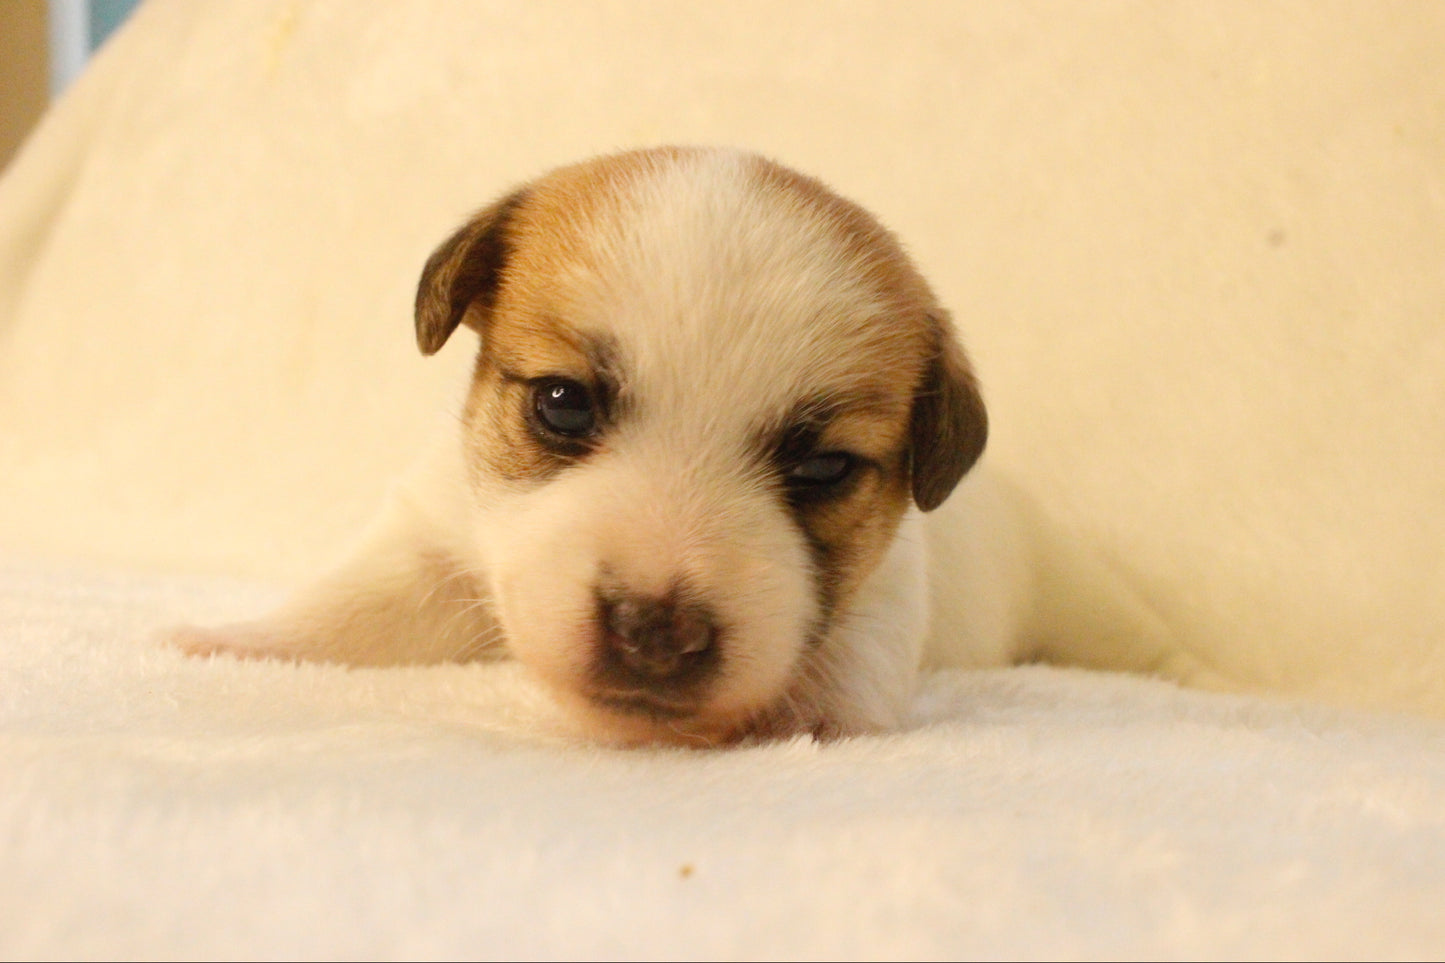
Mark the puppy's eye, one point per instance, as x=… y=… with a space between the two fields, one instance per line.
x=822 y=471
x=565 y=407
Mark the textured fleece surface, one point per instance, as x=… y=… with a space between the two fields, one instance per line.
x=164 y=808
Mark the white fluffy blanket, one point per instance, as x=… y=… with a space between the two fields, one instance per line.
x=1197 y=253
x=156 y=807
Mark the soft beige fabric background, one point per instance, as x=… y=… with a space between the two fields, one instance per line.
x=1198 y=251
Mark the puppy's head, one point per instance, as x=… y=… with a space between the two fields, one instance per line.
x=707 y=391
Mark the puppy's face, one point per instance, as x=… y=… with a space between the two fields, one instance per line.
x=707 y=391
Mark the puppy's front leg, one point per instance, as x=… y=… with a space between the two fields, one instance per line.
x=404 y=596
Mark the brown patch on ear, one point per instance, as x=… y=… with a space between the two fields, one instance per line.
x=465 y=270
x=949 y=425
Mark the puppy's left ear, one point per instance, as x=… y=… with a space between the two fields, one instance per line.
x=949 y=424
x=464 y=273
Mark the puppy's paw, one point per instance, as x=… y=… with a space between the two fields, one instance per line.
x=244 y=640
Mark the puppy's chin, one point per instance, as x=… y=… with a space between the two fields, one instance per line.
x=606 y=707
x=629 y=720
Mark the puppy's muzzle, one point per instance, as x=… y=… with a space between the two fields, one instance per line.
x=656 y=654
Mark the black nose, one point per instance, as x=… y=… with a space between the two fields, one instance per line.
x=656 y=640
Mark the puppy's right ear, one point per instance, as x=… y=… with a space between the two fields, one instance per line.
x=950 y=423
x=465 y=271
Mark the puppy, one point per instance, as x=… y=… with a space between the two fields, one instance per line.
x=711 y=404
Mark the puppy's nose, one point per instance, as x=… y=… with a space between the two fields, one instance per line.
x=658 y=638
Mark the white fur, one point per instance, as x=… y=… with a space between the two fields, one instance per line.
x=463 y=563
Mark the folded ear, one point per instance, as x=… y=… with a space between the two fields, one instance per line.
x=949 y=423
x=464 y=272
